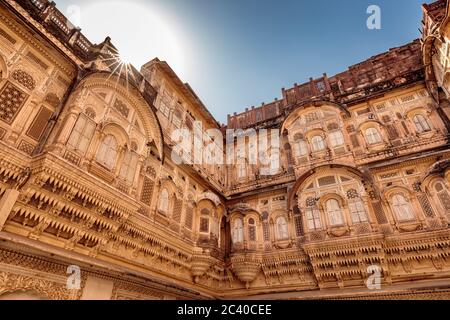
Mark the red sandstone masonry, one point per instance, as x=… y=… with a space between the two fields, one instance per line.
x=359 y=82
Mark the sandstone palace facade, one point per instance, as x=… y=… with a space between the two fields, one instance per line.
x=92 y=205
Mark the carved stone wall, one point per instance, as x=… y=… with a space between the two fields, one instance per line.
x=86 y=175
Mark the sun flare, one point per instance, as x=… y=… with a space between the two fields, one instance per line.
x=138 y=31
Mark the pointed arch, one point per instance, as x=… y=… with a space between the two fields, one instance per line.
x=170 y=186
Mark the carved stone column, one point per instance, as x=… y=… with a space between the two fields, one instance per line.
x=66 y=129
x=96 y=140
x=134 y=184
x=26 y=115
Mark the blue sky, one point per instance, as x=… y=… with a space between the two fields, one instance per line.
x=240 y=53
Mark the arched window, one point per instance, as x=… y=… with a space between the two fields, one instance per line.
x=402 y=208
x=251 y=230
x=129 y=165
x=357 y=211
x=107 y=153
x=301 y=148
x=313 y=219
x=204 y=221
x=444 y=197
x=373 y=136
x=421 y=124
x=163 y=205
x=81 y=135
x=336 y=138
x=318 y=144
x=334 y=212
x=282 y=229
x=238 y=231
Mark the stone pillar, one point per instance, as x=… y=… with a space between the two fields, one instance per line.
x=96 y=140
x=137 y=172
x=155 y=198
x=119 y=160
x=66 y=129
x=23 y=120
x=6 y=204
x=97 y=289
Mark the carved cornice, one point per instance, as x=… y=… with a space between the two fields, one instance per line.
x=32 y=40
x=10 y=283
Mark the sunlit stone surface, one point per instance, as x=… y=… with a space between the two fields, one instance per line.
x=354 y=204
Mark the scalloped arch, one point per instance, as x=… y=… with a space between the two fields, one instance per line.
x=133 y=95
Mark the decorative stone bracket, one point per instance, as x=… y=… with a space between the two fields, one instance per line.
x=201 y=263
x=246 y=267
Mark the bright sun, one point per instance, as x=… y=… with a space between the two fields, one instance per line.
x=124 y=60
x=139 y=33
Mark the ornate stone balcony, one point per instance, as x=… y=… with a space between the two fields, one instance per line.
x=201 y=263
x=246 y=267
